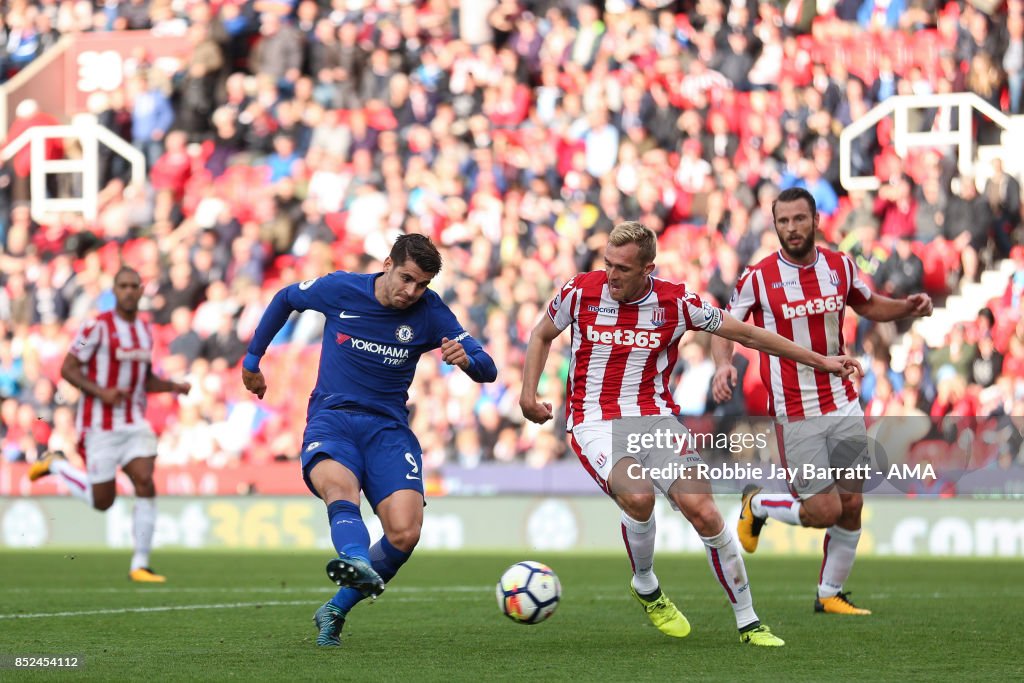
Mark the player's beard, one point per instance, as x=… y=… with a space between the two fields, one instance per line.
x=129 y=307
x=800 y=251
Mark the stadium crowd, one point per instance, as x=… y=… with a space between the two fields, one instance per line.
x=295 y=138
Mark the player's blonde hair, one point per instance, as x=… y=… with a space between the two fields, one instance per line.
x=635 y=232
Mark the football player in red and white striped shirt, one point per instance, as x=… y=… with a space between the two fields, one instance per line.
x=626 y=326
x=802 y=292
x=110 y=362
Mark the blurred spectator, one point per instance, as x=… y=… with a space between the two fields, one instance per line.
x=902 y=273
x=931 y=212
x=223 y=343
x=27 y=115
x=186 y=341
x=957 y=355
x=152 y=115
x=278 y=52
x=988 y=364
x=968 y=224
x=886 y=83
x=692 y=389
x=179 y=289
x=197 y=87
x=1003 y=194
x=22 y=44
x=133 y=15
x=896 y=209
x=173 y=169
x=1013 y=61
x=11 y=370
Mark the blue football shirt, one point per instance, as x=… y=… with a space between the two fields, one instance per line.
x=369 y=352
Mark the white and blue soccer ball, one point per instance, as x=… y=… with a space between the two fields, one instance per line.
x=528 y=592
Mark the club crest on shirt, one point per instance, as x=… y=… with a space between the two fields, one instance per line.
x=658 y=316
x=404 y=334
x=833 y=277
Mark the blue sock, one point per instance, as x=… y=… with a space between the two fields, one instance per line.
x=348 y=532
x=387 y=559
x=346 y=598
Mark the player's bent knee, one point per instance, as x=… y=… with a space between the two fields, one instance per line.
x=639 y=506
x=145 y=488
x=853 y=505
x=850 y=513
x=702 y=513
x=405 y=539
x=821 y=512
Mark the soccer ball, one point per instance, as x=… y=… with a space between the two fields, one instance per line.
x=528 y=592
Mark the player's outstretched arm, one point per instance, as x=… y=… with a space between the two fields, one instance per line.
x=882 y=309
x=537 y=352
x=769 y=342
x=725 y=378
x=270 y=324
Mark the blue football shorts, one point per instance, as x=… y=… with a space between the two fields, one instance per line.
x=382 y=452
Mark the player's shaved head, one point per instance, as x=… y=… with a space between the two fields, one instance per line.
x=127 y=292
x=127 y=270
x=420 y=249
x=635 y=232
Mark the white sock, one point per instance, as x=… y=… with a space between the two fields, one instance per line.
x=143 y=523
x=840 y=549
x=639 y=540
x=75 y=479
x=780 y=506
x=727 y=567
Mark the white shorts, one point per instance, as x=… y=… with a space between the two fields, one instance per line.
x=105 y=451
x=662 y=456
x=838 y=440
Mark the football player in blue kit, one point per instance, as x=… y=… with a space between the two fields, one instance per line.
x=357 y=425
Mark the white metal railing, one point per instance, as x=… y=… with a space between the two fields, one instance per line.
x=89 y=134
x=964 y=138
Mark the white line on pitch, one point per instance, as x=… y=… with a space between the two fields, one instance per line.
x=160 y=590
x=169 y=608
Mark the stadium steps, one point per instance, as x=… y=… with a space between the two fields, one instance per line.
x=959 y=308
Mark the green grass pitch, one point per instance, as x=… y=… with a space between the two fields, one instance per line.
x=247 y=616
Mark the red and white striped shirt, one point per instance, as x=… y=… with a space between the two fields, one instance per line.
x=623 y=353
x=115 y=353
x=805 y=304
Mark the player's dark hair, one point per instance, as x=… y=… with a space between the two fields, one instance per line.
x=795 y=194
x=420 y=249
